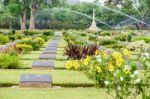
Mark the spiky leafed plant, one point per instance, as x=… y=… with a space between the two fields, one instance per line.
x=75 y=51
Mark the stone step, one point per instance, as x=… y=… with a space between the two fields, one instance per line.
x=56 y=38
x=50 y=52
x=53 y=45
x=35 y=81
x=51 y=48
x=47 y=56
x=43 y=65
x=58 y=34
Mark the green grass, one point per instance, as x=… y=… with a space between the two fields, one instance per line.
x=60 y=77
x=75 y=84
x=62 y=93
x=28 y=63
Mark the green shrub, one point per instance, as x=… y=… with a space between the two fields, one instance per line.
x=105 y=34
x=93 y=38
x=138 y=45
x=45 y=38
x=40 y=41
x=19 y=36
x=70 y=38
x=12 y=38
x=9 y=61
x=129 y=37
x=83 y=34
x=4 y=39
x=106 y=40
x=36 y=43
x=145 y=38
x=31 y=33
x=121 y=37
x=48 y=33
x=115 y=46
x=23 y=48
x=13 y=31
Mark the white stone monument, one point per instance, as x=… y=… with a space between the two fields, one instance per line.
x=93 y=27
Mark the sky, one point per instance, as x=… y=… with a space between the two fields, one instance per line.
x=87 y=0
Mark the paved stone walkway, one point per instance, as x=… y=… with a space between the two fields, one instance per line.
x=49 y=55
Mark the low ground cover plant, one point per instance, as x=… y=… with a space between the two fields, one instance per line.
x=4 y=39
x=144 y=38
x=9 y=61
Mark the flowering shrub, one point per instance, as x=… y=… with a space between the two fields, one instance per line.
x=23 y=48
x=114 y=71
x=143 y=87
x=73 y=64
x=138 y=45
x=105 y=40
x=36 y=43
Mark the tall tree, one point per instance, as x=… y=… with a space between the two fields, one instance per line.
x=18 y=7
x=140 y=7
x=35 y=4
x=22 y=8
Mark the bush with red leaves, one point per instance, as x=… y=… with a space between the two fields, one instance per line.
x=75 y=51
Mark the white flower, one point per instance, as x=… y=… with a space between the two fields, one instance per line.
x=137 y=81
x=121 y=78
x=106 y=82
x=135 y=72
x=145 y=55
x=119 y=88
x=126 y=67
x=98 y=58
x=132 y=76
x=115 y=73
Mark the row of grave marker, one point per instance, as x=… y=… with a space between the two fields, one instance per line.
x=49 y=54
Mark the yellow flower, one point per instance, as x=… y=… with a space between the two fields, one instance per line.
x=103 y=53
x=76 y=64
x=110 y=66
x=69 y=64
x=119 y=62
x=126 y=71
x=118 y=58
x=98 y=69
x=86 y=60
x=127 y=53
x=117 y=55
x=97 y=52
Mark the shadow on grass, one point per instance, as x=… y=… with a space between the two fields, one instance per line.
x=67 y=85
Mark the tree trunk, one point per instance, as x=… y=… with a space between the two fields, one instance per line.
x=10 y=25
x=32 y=17
x=23 y=21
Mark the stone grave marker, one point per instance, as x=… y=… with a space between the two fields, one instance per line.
x=139 y=64
x=56 y=38
x=53 y=45
x=51 y=48
x=35 y=80
x=50 y=52
x=58 y=34
x=47 y=56
x=43 y=65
